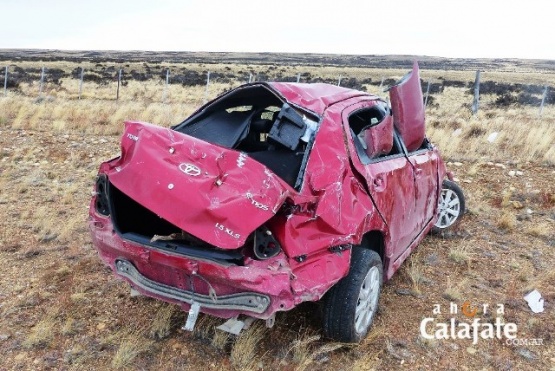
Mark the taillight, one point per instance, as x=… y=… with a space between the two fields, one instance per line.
x=265 y=245
x=102 y=204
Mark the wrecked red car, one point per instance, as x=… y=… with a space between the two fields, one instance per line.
x=275 y=194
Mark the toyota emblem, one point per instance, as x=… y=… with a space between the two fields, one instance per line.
x=189 y=169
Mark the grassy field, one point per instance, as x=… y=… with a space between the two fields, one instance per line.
x=509 y=102
x=60 y=308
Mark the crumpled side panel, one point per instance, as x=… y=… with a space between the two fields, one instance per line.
x=341 y=209
x=408 y=109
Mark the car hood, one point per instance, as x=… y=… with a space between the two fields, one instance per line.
x=216 y=194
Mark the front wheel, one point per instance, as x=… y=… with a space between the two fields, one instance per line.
x=451 y=207
x=350 y=306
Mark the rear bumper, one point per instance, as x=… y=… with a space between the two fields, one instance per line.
x=251 y=302
x=257 y=289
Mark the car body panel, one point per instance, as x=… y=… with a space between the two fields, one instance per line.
x=425 y=169
x=339 y=208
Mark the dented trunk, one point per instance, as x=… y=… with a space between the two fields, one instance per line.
x=199 y=187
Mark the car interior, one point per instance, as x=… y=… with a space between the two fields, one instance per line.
x=255 y=121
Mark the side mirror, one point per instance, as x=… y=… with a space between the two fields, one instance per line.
x=378 y=139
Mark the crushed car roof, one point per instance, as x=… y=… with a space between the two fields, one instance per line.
x=315 y=97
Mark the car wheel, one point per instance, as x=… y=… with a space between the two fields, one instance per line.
x=451 y=207
x=350 y=306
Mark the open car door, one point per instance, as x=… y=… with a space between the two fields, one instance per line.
x=409 y=120
x=408 y=109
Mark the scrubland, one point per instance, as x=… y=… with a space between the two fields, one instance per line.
x=61 y=309
x=522 y=132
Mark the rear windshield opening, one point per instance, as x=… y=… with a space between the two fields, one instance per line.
x=233 y=120
x=254 y=120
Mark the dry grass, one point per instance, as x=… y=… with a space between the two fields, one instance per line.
x=542 y=282
x=453 y=292
x=460 y=254
x=369 y=360
x=220 y=339
x=206 y=326
x=460 y=135
x=415 y=272
x=522 y=133
x=44 y=331
x=542 y=229
x=301 y=352
x=307 y=350
x=244 y=353
x=68 y=328
x=506 y=197
x=130 y=347
x=507 y=220
x=130 y=344
x=50 y=153
x=87 y=116
x=161 y=326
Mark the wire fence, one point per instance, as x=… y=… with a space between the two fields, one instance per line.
x=506 y=94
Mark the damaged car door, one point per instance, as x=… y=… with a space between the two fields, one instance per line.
x=386 y=170
x=409 y=120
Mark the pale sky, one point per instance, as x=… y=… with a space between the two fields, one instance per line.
x=471 y=28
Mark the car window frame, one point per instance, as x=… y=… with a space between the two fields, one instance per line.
x=367 y=160
x=426 y=146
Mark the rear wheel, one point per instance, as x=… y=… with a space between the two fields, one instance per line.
x=451 y=207
x=350 y=306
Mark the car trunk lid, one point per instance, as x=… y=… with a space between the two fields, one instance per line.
x=216 y=194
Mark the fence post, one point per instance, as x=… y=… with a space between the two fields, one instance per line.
x=339 y=81
x=298 y=77
x=476 y=102
x=166 y=86
x=81 y=82
x=381 y=84
x=207 y=84
x=250 y=78
x=427 y=95
x=41 y=81
x=543 y=99
x=119 y=82
x=6 y=82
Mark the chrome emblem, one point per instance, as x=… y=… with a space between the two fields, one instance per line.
x=189 y=169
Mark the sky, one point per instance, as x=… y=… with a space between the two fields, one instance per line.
x=457 y=29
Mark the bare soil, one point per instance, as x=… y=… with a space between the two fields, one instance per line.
x=60 y=308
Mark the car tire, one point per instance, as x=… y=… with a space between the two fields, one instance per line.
x=350 y=306
x=451 y=207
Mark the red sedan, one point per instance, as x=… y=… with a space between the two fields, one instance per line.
x=274 y=194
